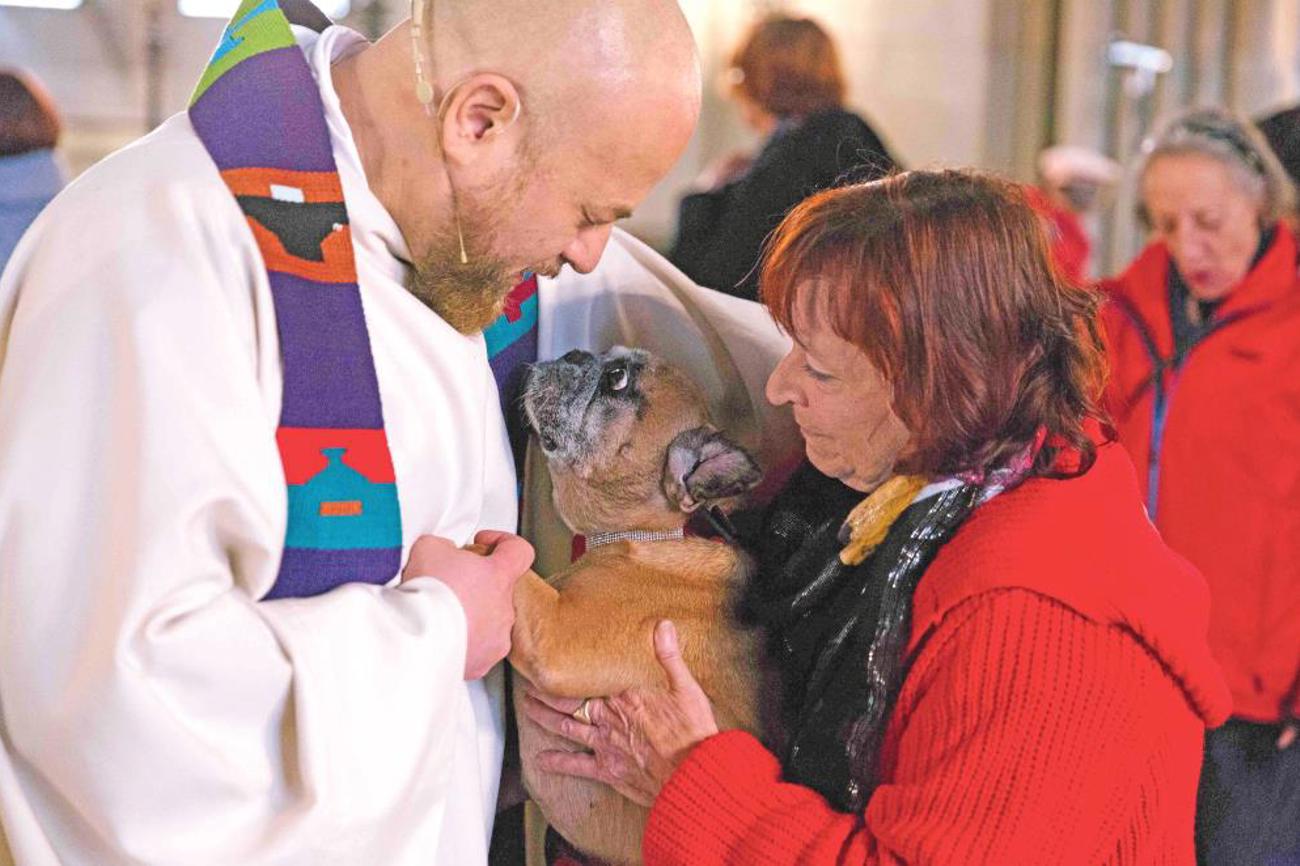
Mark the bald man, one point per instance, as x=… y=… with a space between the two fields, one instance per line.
x=248 y=417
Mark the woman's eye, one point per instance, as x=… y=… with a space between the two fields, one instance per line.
x=818 y=375
x=616 y=377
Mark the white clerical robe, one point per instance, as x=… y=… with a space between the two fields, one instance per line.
x=152 y=710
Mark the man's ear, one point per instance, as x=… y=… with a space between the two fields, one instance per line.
x=478 y=108
x=705 y=466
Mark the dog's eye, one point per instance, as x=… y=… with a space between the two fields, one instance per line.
x=616 y=377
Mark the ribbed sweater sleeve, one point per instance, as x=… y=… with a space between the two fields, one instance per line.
x=1021 y=736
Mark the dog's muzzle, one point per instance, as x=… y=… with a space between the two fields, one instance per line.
x=556 y=394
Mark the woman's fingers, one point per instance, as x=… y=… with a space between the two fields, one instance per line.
x=637 y=738
x=581 y=764
x=568 y=706
x=559 y=723
x=1290 y=732
x=670 y=657
x=585 y=765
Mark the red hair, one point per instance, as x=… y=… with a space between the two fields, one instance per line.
x=789 y=66
x=945 y=281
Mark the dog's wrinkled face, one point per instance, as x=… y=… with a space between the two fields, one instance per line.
x=578 y=403
x=628 y=441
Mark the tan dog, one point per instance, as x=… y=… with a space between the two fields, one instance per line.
x=629 y=447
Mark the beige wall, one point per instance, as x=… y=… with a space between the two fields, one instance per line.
x=945 y=82
x=917 y=70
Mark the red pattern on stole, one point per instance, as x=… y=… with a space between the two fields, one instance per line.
x=367 y=453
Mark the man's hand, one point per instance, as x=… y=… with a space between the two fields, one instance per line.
x=484 y=585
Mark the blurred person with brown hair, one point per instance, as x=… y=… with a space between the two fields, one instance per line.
x=1204 y=336
x=992 y=658
x=787 y=81
x=30 y=173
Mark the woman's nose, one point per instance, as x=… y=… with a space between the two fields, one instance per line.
x=778 y=390
x=1185 y=238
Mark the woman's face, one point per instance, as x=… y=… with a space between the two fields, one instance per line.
x=842 y=404
x=754 y=116
x=1208 y=223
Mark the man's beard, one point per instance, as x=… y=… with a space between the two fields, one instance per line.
x=469 y=296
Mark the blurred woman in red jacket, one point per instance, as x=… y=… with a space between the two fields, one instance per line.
x=992 y=658
x=1204 y=337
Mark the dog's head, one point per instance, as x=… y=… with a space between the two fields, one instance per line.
x=628 y=442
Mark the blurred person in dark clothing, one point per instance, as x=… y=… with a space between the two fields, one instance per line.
x=30 y=173
x=788 y=84
x=1282 y=131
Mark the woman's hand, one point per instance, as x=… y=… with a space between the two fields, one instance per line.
x=635 y=740
x=723 y=171
x=1290 y=732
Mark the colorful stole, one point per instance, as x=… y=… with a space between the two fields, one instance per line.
x=512 y=347
x=257 y=109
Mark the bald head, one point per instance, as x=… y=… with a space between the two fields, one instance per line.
x=554 y=119
x=571 y=58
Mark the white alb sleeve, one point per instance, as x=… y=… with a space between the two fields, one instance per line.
x=154 y=711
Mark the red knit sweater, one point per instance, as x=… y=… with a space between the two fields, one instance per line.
x=1053 y=712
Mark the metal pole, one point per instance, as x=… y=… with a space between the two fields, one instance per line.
x=1232 y=27
x=1112 y=134
x=1191 y=49
x=155 y=54
x=1055 y=26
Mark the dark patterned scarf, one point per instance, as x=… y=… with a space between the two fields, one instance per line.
x=838 y=633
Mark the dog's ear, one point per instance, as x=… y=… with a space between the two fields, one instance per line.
x=705 y=466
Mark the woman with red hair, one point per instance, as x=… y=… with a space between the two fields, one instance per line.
x=992 y=658
x=786 y=80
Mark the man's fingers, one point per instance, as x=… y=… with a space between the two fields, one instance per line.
x=580 y=764
x=432 y=541
x=670 y=657
x=1288 y=736
x=489 y=537
x=558 y=723
x=510 y=553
